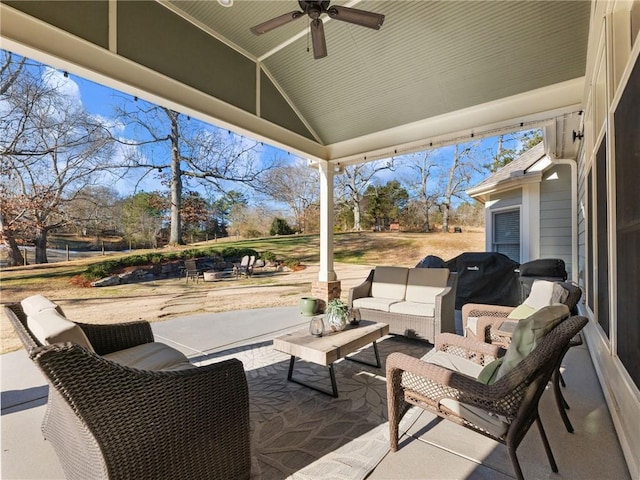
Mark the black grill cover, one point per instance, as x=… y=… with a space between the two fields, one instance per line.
x=486 y=277
x=552 y=269
x=431 y=261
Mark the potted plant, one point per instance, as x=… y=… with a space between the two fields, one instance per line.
x=336 y=312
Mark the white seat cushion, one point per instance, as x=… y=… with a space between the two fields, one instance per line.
x=491 y=423
x=424 y=284
x=389 y=282
x=49 y=327
x=151 y=356
x=413 y=308
x=372 y=303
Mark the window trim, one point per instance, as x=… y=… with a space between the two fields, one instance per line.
x=498 y=211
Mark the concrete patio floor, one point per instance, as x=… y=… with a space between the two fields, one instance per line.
x=429 y=450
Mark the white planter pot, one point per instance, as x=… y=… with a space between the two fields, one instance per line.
x=336 y=322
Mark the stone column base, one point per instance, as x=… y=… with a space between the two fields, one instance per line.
x=325 y=291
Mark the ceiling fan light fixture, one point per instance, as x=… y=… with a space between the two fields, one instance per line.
x=314 y=9
x=225 y=3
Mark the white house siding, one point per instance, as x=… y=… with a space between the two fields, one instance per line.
x=555 y=214
x=510 y=198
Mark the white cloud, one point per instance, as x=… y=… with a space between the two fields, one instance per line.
x=65 y=85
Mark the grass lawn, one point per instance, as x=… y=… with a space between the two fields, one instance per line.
x=163 y=299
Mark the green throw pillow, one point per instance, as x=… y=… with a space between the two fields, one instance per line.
x=528 y=333
x=521 y=312
x=489 y=372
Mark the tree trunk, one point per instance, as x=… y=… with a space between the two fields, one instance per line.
x=15 y=256
x=356 y=217
x=175 y=237
x=425 y=225
x=41 y=246
x=446 y=205
x=445 y=217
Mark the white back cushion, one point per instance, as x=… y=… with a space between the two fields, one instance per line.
x=389 y=282
x=424 y=284
x=48 y=326
x=541 y=294
x=36 y=304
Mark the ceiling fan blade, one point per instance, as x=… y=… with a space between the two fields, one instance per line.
x=358 y=17
x=276 y=22
x=317 y=39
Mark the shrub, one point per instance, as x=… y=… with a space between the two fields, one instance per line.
x=253 y=233
x=102 y=269
x=230 y=253
x=268 y=256
x=279 y=226
x=191 y=253
x=291 y=262
x=211 y=252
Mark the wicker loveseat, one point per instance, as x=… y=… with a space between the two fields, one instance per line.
x=123 y=406
x=415 y=302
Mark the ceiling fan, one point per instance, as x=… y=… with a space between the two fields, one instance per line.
x=314 y=9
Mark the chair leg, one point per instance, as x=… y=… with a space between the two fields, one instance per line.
x=562 y=382
x=515 y=462
x=561 y=402
x=547 y=447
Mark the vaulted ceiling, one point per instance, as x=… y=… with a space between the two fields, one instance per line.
x=436 y=72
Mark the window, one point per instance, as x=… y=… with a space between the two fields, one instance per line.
x=627 y=215
x=590 y=243
x=602 y=247
x=506 y=234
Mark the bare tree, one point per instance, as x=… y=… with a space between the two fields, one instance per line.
x=418 y=184
x=189 y=150
x=354 y=182
x=51 y=150
x=457 y=179
x=298 y=187
x=93 y=211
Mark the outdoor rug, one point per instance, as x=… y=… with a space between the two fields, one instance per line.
x=298 y=433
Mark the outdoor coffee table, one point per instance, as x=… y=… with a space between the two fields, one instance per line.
x=330 y=347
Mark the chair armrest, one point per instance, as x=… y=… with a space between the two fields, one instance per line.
x=360 y=291
x=451 y=384
x=482 y=310
x=471 y=349
x=111 y=338
x=190 y=423
x=445 y=303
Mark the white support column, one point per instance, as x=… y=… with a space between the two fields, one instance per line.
x=326 y=273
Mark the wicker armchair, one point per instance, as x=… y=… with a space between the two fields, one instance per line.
x=511 y=403
x=494 y=327
x=490 y=317
x=106 y=420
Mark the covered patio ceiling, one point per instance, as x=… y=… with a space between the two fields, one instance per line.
x=435 y=73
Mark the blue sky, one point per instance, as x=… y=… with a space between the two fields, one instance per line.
x=99 y=100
